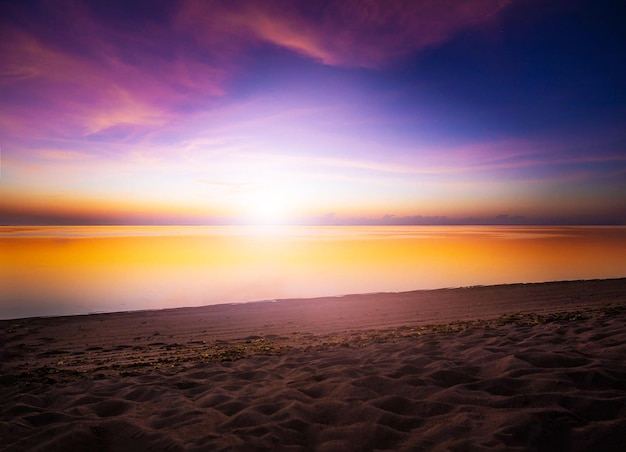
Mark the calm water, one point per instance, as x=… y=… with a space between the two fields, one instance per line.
x=76 y=270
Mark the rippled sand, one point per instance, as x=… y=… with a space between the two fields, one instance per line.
x=513 y=367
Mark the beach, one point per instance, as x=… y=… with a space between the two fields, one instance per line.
x=508 y=367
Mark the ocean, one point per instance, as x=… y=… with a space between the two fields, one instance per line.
x=68 y=270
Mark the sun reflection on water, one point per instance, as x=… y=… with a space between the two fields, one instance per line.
x=69 y=270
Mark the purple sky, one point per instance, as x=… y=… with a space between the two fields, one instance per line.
x=332 y=112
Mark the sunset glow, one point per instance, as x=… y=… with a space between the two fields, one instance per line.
x=330 y=112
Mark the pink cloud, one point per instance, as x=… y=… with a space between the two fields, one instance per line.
x=364 y=33
x=75 y=74
x=107 y=82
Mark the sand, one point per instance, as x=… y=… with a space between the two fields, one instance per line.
x=510 y=367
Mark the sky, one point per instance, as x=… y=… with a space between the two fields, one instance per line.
x=312 y=112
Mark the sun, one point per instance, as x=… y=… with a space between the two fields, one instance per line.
x=268 y=210
x=267 y=205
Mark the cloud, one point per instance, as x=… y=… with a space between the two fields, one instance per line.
x=74 y=71
x=497 y=220
x=365 y=33
x=64 y=155
x=68 y=73
x=66 y=95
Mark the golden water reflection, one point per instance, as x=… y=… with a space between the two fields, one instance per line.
x=70 y=270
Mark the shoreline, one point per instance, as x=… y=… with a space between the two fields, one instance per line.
x=66 y=345
x=409 y=293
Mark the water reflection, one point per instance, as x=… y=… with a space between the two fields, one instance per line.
x=69 y=270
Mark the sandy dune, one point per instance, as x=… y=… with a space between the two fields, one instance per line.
x=515 y=367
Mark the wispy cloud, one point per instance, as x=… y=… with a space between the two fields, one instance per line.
x=64 y=155
x=364 y=33
x=78 y=75
x=86 y=77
